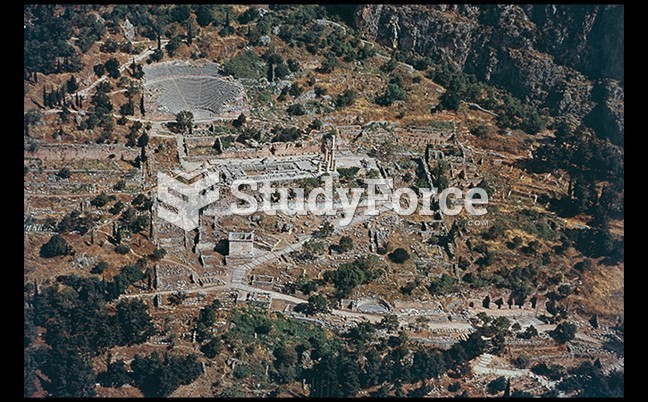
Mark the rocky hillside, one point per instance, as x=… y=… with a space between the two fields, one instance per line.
x=566 y=58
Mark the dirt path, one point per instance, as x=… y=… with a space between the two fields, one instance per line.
x=147 y=52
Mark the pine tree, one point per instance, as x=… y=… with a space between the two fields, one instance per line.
x=190 y=33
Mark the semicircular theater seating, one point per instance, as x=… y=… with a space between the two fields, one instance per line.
x=199 y=89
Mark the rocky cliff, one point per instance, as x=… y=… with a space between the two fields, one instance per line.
x=568 y=58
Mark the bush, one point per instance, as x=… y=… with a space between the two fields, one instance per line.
x=120 y=185
x=348 y=173
x=347 y=98
x=99 y=268
x=158 y=254
x=64 y=173
x=287 y=134
x=296 y=110
x=244 y=65
x=316 y=124
x=157 y=55
x=392 y=93
x=320 y=91
x=346 y=244
x=521 y=361
x=109 y=46
x=454 y=387
x=389 y=322
x=480 y=131
x=449 y=101
x=441 y=285
x=329 y=64
x=494 y=232
x=122 y=249
x=116 y=208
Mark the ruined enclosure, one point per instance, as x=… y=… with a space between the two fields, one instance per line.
x=241 y=244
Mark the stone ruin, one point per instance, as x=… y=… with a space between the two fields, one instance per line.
x=64 y=152
x=241 y=244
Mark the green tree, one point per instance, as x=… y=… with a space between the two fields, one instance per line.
x=564 y=332
x=134 y=322
x=112 y=67
x=158 y=254
x=180 y=13
x=327 y=229
x=99 y=69
x=449 y=101
x=389 y=322
x=116 y=375
x=173 y=45
x=100 y=267
x=248 y=15
x=122 y=249
x=399 y=256
x=184 y=120
x=100 y=200
x=346 y=244
x=69 y=372
x=316 y=304
x=320 y=91
x=212 y=348
x=72 y=85
x=158 y=376
x=54 y=247
x=496 y=386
